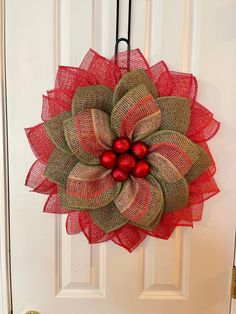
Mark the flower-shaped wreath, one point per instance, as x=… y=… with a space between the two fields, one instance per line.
x=123 y=153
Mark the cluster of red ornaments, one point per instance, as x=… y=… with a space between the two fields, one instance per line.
x=125 y=158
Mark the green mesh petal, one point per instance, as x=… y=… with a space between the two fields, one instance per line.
x=67 y=201
x=94 y=96
x=155 y=210
x=59 y=166
x=153 y=224
x=202 y=164
x=79 y=203
x=136 y=114
x=140 y=200
x=92 y=186
x=88 y=134
x=129 y=81
x=108 y=218
x=178 y=139
x=175 y=113
x=54 y=129
x=176 y=194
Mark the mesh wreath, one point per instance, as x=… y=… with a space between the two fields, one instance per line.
x=123 y=153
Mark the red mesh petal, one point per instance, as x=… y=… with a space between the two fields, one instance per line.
x=162 y=78
x=40 y=143
x=71 y=78
x=197 y=211
x=184 y=85
x=202 y=189
x=72 y=223
x=106 y=72
x=52 y=205
x=56 y=101
x=181 y=217
x=36 y=180
x=92 y=232
x=202 y=124
x=130 y=60
x=129 y=237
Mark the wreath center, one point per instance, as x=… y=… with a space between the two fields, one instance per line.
x=126 y=158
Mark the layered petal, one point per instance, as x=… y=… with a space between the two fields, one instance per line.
x=131 y=80
x=53 y=205
x=106 y=72
x=92 y=97
x=93 y=233
x=184 y=85
x=37 y=181
x=130 y=60
x=162 y=78
x=196 y=211
x=202 y=189
x=136 y=115
x=153 y=224
x=203 y=126
x=201 y=164
x=175 y=113
x=55 y=131
x=72 y=223
x=68 y=201
x=88 y=134
x=169 y=162
x=176 y=195
x=171 y=155
x=59 y=166
x=140 y=200
x=170 y=220
x=70 y=78
x=40 y=143
x=108 y=218
x=56 y=101
x=128 y=237
x=93 y=186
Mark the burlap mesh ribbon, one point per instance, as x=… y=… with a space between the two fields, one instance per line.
x=98 y=102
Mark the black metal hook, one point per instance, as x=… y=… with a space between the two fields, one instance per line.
x=122 y=39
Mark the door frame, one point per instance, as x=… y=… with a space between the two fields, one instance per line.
x=5 y=269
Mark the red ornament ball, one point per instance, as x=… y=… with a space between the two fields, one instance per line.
x=126 y=162
x=119 y=175
x=141 y=169
x=121 y=145
x=108 y=159
x=139 y=149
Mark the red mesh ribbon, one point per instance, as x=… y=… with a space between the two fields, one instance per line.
x=97 y=70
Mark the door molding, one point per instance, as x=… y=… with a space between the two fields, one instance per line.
x=5 y=273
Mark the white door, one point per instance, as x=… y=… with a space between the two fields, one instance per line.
x=56 y=273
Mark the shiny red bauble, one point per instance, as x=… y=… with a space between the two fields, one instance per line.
x=119 y=175
x=121 y=145
x=139 y=149
x=141 y=169
x=108 y=159
x=126 y=162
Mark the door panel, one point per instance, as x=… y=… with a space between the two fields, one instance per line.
x=56 y=273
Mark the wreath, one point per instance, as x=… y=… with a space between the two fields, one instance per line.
x=122 y=151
